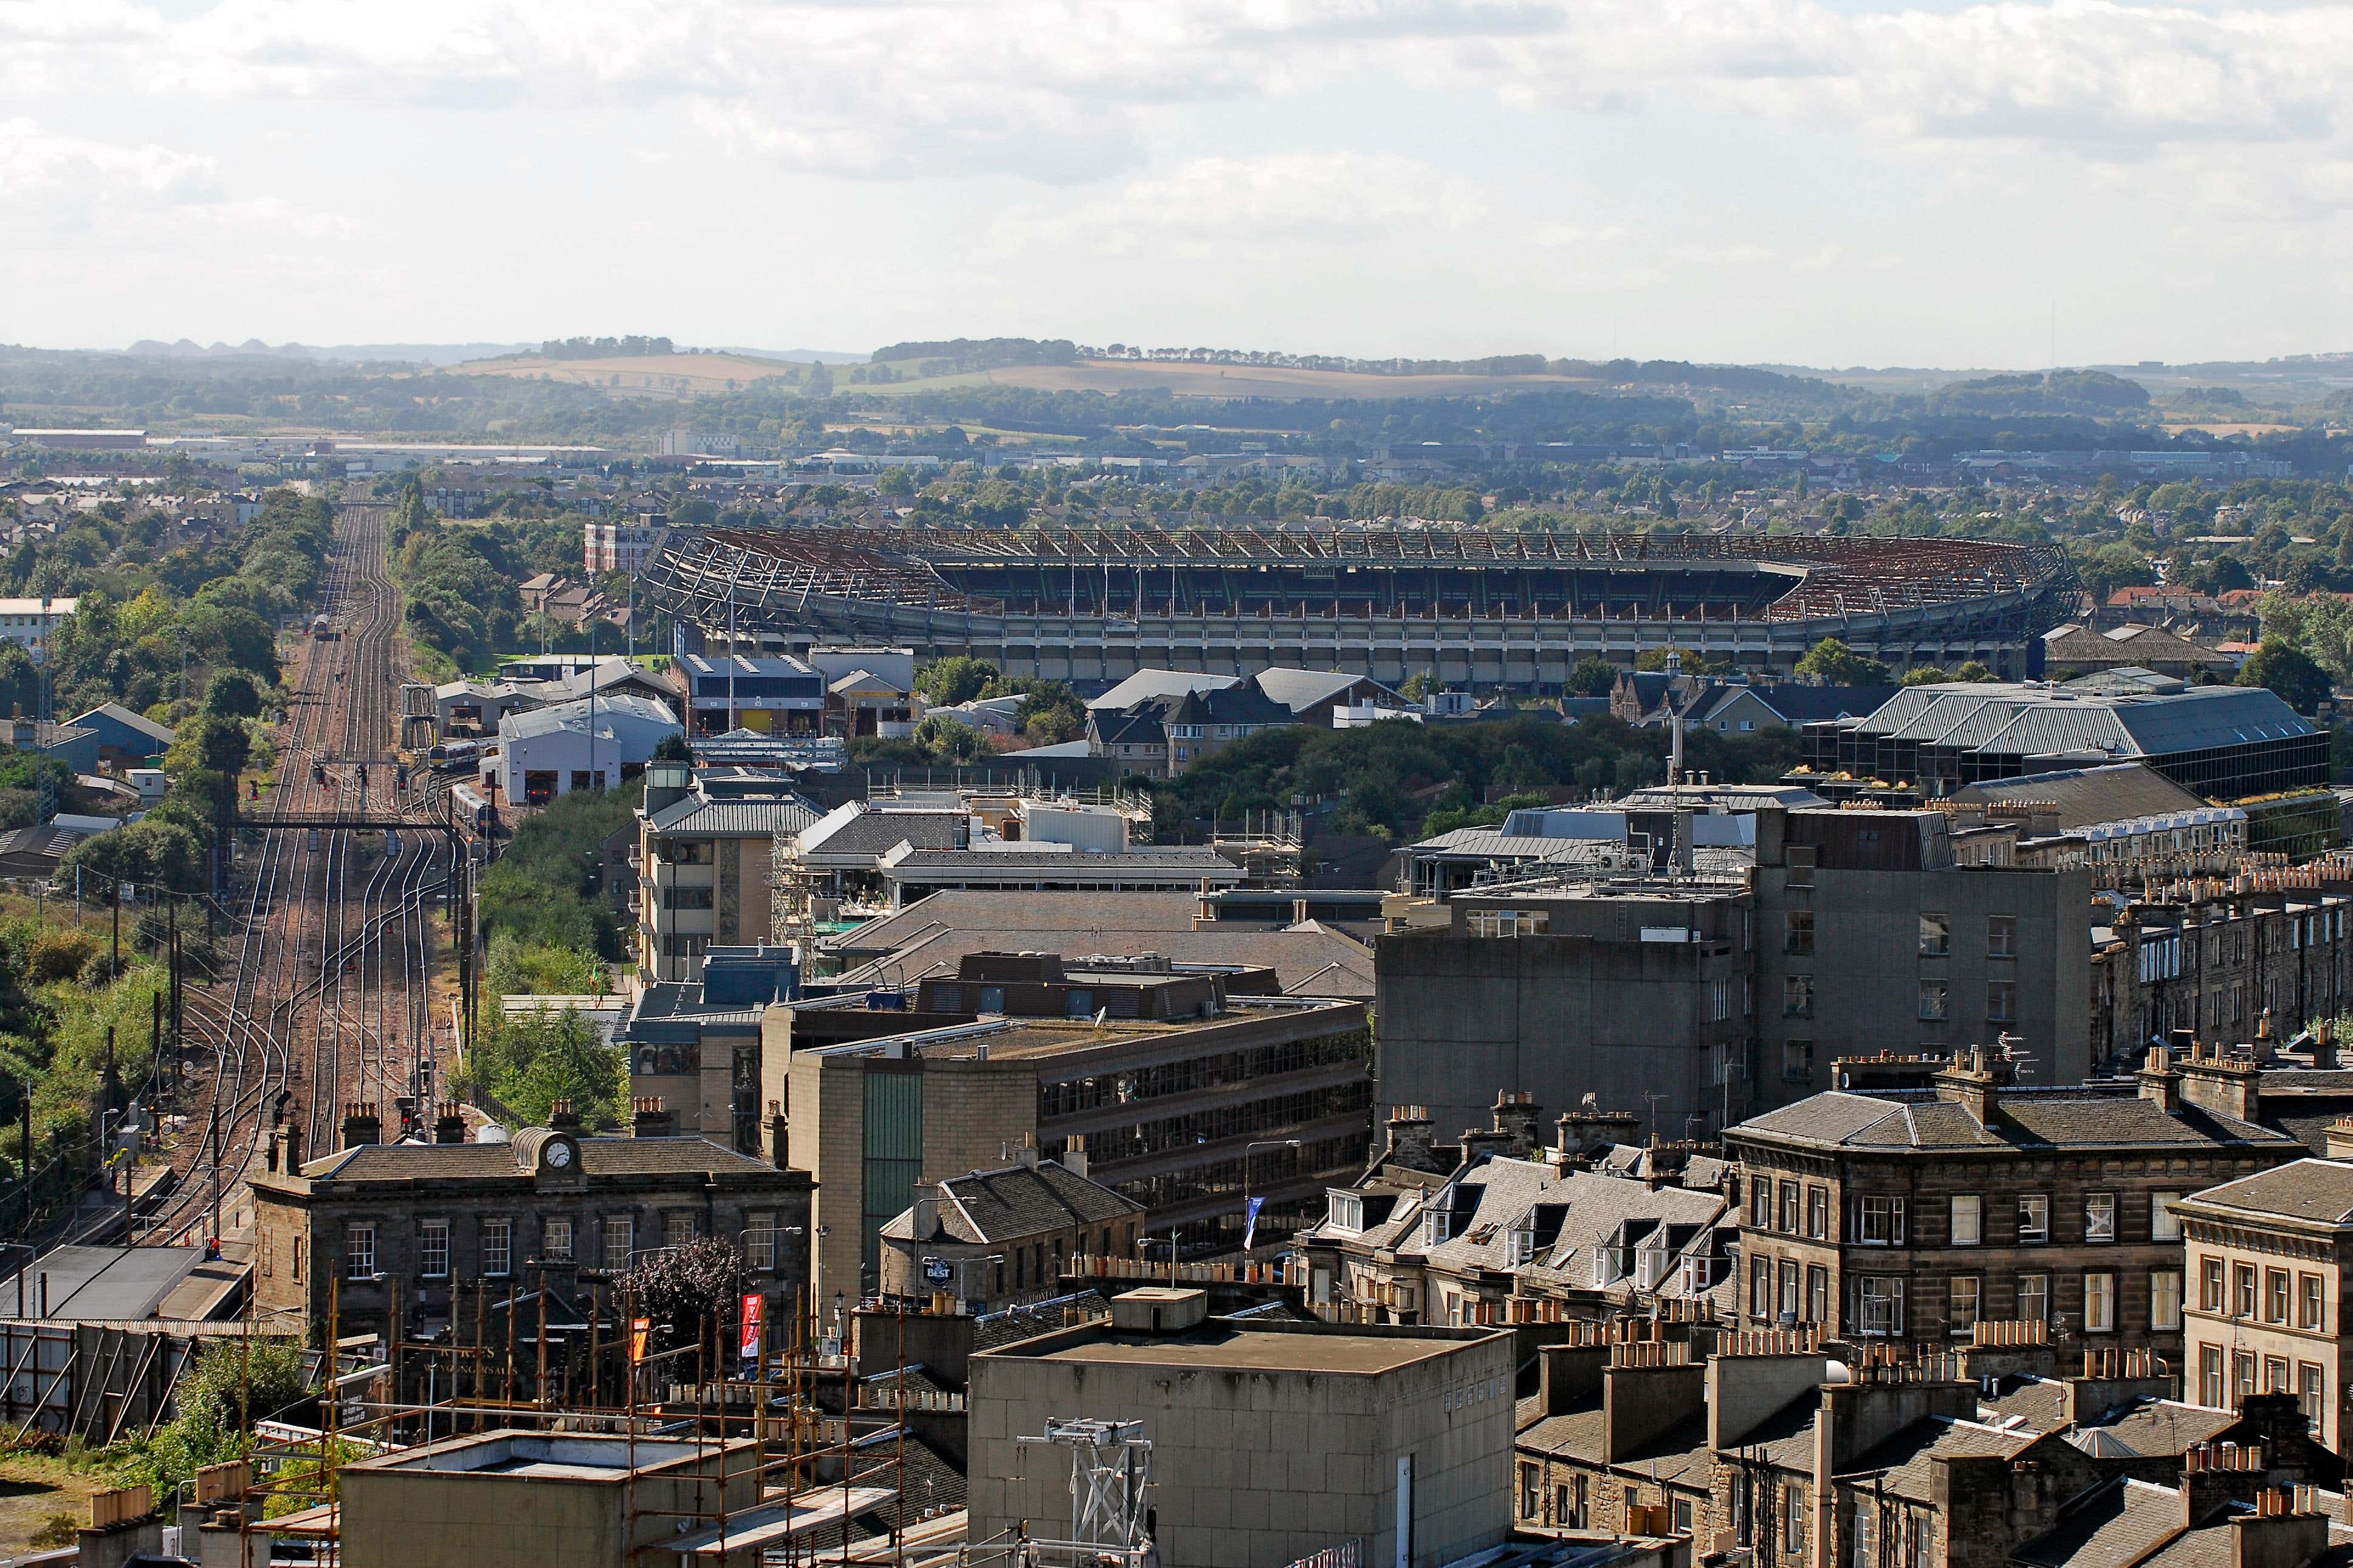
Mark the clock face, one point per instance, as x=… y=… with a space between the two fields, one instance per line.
x=559 y=1155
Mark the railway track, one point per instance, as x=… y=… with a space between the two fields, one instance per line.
x=326 y=995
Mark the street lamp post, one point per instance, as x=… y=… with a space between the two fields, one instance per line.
x=1248 y=1149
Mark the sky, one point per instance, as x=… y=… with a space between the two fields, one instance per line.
x=1818 y=182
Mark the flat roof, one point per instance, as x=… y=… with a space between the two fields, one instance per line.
x=1219 y=1344
x=540 y=1456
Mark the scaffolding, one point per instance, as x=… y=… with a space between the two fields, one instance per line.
x=754 y=1410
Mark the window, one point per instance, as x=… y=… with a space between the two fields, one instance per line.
x=2210 y=1285
x=1879 y=1304
x=1797 y=996
x=557 y=1246
x=2099 y=1303
x=1793 y=1517
x=2308 y=1302
x=2243 y=1374
x=1789 y=1215
x=1965 y=1220
x=301 y=1257
x=1936 y=934
x=760 y=1243
x=1798 y=940
x=2034 y=1297
x=2033 y=1218
x=2165 y=1301
x=1788 y=1298
x=2242 y=1290
x=1866 y=1535
x=2001 y=1001
x=1760 y=1288
x=1932 y=1000
x=1880 y=1220
x=621 y=1240
x=2163 y=1225
x=2276 y=1296
x=1531 y=1491
x=433 y=1248
x=678 y=1229
x=498 y=1246
x=2275 y=1375
x=2099 y=1216
x=1817 y=1294
x=1818 y=1213
x=1797 y=1061
x=2002 y=936
x=1760 y=1202
x=359 y=1252
x=2311 y=1395
x=1961 y=1312
x=2209 y=1376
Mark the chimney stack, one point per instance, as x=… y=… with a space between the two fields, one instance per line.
x=649 y=1120
x=1074 y=1154
x=561 y=1118
x=1409 y=1143
x=449 y=1123
x=779 y=1135
x=1026 y=1156
x=1969 y=1084
x=361 y=1124
x=1518 y=1117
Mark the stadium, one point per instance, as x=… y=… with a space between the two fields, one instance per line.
x=1471 y=607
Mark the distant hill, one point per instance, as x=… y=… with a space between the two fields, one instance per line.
x=409 y=354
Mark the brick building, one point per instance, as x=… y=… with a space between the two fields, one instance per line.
x=1912 y=1214
x=400 y=1226
x=2215 y=958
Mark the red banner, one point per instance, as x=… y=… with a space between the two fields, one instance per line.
x=752 y=1308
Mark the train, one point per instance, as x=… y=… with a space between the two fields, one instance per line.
x=321 y=628
x=474 y=808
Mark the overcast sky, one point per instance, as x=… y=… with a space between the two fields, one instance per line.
x=1826 y=182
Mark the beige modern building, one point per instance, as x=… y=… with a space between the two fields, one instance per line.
x=703 y=867
x=2270 y=1256
x=1271 y=1440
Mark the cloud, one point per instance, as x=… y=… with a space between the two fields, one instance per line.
x=1278 y=199
x=38 y=167
x=1075 y=89
x=106 y=198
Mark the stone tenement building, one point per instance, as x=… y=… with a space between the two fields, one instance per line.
x=1914 y=1214
x=2270 y=1258
x=2215 y=957
x=407 y=1222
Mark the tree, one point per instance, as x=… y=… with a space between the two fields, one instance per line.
x=1593 y=677
x=673 y=749
x=2289 y=673
x=1831 y=662
x=680 y=1286
x=232 y=694
x=950 y=682
x=1973 y=670
x=530 y=1061
x=1925 y=675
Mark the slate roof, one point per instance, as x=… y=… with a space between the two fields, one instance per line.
x=649 y=719
x=598 y=1157
x=2156 y=1428
x=1137 y=726
x=2115 y=792
x=2031 y=1118
x=1299 y=690
x=2113 y=1525
x=697 y=817
x=1016 y=1201
x=2031 y=719
x=2319 y=1192
x=1000 y=911
x=1908 y=1458
x=1152 y=685
x=1175 y=857
x=858 y=829
x=2081 y=647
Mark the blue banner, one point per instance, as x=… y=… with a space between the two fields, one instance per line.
x=1249 y=1223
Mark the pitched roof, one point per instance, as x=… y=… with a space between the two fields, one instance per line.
x=123 y=716
x=2115 y=1524
x=2113 y=792
x=1307 y=961
x=618 y=715
x=755 y=818
x=859 y=829
x=1000 y=912
x=1148 y=684
x=1908 y=1458
x=1299 y=690
x=2023 y=1118
x=2319 y=1192
x=1011 y=1202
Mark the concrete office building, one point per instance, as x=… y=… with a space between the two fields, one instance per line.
x=1724 y=993
x=1185 y=1089
x=1271 y=1439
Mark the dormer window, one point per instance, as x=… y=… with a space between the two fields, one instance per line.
x=1523 y=1244
x=1343 y=1211
x=1437 y=1226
